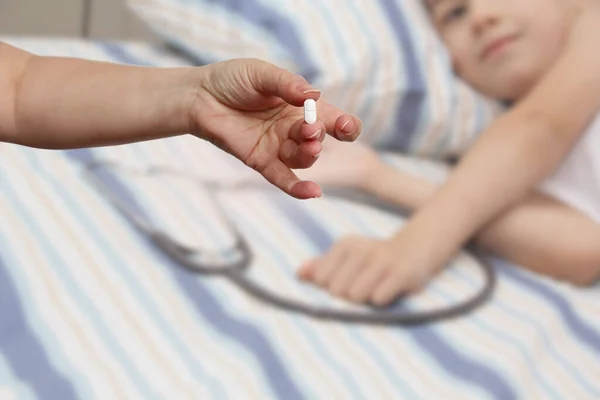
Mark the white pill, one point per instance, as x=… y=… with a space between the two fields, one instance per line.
x=310 y=111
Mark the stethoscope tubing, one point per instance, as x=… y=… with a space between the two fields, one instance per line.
x=186 y=257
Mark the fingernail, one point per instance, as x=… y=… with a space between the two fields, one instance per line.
x=311 y=90
x=316 y=134
x=348 y=126
x=318 y=154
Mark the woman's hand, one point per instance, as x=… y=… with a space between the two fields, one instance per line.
x=253 y=110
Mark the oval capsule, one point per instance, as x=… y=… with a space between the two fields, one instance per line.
x=310 y=111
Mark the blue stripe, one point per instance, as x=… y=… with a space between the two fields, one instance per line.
x=244 y=333
x=579 y=328
x=279 y=26
x=374 y=352
x=146 y=302
x=498 y=333
x=25 y=354
x=212 y=310
x=475 y=319
x=280 y=259
x=564 y=364
x=340 y=50
x=189 y=205
x=549 y=347
x=411 y=106
x=83 y=299
x=370 y=80
x=84 y=156
x=207 y=305
x=449 y=359
x=118 y=52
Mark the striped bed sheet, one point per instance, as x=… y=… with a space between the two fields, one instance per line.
x=89 y=309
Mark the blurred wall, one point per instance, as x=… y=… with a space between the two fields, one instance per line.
x=97 y=19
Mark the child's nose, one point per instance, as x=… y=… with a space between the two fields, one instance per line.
x=484 y=15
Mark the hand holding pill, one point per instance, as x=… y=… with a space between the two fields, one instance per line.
x=247 y=107
x=271 y=119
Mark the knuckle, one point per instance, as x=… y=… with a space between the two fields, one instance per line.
x=320 y=278
x=336 y=290
x=356 y=296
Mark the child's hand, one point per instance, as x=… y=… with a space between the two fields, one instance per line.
x=373 y=271
x=344 y=165
x=254 y=110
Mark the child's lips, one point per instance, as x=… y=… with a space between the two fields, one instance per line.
x=496 y=46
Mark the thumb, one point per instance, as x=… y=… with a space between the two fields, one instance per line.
x=272 y=80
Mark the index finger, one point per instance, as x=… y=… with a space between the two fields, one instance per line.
x=280 y=175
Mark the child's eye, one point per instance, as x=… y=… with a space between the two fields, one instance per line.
x=454 y=14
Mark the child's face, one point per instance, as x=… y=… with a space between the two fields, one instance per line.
x=502 y=47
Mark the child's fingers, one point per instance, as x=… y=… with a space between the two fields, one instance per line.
x=328 y=264
x=367 y=282
x=388 y=289
x=307 y=271
x=348 y=273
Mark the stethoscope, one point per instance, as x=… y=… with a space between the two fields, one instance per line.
x=234 y=262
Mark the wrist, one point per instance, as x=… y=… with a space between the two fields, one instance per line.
x=441 y=227
x=173 y=98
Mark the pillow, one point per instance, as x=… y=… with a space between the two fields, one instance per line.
x=378 y=59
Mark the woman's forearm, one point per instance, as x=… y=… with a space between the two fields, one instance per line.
x=68 y=103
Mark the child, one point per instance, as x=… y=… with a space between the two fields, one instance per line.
x=247 y=107
x=542 y=56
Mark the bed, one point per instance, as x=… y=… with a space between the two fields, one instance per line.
x=89 y=308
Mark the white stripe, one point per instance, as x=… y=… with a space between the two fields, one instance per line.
x=210 y=31
x=344 y=225
x=560 y=338
x=68 y=324
x=270 y=265
x=355 y=49
x=296 y=253
x=126 y=317
x=149 y=278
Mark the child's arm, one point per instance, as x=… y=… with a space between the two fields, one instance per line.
x=518 y=151
x=247 y=107
x=537 y=233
